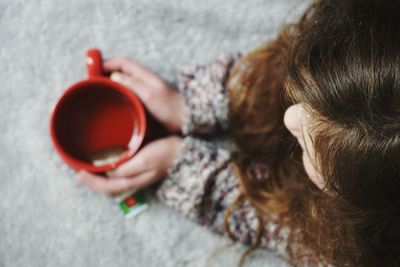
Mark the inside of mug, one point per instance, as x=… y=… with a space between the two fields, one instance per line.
x=96 y=124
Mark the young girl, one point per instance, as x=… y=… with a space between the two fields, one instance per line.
x=315 y=118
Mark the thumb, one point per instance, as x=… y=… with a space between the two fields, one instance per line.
x=134 y=166
x=122 y=78
x=128 y=81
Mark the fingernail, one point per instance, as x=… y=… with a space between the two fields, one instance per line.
x=79 y=175
x=116 y=76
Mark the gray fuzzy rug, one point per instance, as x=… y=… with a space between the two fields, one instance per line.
x=46 y=217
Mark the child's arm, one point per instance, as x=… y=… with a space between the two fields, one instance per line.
x=200 y=107
x=204 y=96
x=201 y=185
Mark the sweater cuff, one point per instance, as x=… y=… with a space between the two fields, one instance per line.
x=205 y=99
x=191 y=175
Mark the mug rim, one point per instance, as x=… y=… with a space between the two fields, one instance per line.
x=132 y=149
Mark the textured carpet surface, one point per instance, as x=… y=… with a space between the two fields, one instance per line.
x=49 y=219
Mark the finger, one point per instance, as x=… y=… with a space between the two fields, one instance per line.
x=132 y=167
x=132 y=68
x=141 y=90
x=115 y=186
x=102 y=184
x=142 y=161
x=95 y=182
x=137 y=182
x=124 y=65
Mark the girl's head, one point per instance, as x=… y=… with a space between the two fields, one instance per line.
x=344 y=71
x=341 y=64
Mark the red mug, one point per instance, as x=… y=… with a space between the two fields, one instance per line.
x=97 y=115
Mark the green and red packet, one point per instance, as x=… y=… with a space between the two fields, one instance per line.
x=131 y=204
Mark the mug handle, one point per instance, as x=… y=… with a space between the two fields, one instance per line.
x=94 y=63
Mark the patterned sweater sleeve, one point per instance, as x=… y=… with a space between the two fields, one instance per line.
x=201 y=184
x=204 y=95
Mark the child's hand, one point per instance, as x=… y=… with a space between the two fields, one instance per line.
x=148 y=166
x=163 y=102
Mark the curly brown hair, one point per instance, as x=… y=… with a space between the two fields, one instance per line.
x=342 y=62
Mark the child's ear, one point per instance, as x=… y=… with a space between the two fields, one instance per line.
x=295 y=117
x=301 y=112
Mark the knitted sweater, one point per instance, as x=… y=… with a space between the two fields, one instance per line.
x=201 y=183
